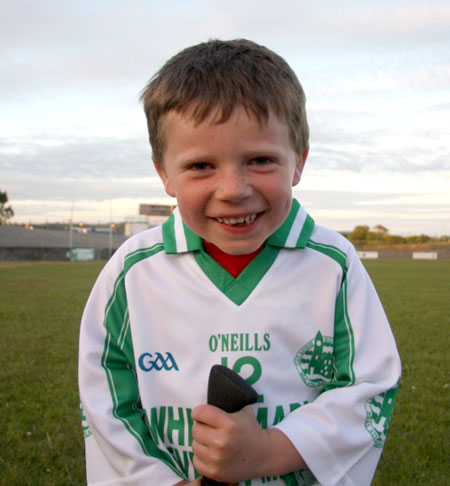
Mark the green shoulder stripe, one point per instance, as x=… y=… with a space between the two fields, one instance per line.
x=119 y=364
x=332 y=251
x=344 y=341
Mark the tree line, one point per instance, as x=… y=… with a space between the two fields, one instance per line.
x=380 y=235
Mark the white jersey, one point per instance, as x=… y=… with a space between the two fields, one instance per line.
x=302 y=323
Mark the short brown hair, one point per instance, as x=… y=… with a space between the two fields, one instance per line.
x=223 y=75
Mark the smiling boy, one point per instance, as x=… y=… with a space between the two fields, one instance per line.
x=239 y=275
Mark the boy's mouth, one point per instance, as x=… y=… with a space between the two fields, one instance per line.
x=238 y=220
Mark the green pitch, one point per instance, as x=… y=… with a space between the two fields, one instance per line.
x=40 y=310
x=416 y=297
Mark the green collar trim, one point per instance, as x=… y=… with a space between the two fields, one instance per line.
x=238 y=289
x=294 y=233
x=178 y=237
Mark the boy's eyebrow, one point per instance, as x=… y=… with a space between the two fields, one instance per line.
x=192 y=159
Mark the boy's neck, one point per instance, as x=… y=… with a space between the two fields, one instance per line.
x=233 y=264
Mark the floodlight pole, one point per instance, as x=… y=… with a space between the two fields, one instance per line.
x=70 y=234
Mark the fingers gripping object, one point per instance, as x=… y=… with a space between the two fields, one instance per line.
x=229 y=392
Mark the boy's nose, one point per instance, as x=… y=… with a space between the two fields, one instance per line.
x=233 y=186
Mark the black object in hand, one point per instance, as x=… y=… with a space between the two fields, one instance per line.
x=229 y=392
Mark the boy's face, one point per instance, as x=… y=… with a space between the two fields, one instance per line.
x=233 y=181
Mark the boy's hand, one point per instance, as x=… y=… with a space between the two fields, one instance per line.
x=229 y=447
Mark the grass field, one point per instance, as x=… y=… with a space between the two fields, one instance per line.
x=40 y=310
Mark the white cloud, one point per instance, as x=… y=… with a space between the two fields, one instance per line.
x=376 y=181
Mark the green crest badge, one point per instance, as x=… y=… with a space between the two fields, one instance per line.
x=379 y=411
x=314 y=361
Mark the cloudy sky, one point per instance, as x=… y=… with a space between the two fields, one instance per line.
x=376 y=75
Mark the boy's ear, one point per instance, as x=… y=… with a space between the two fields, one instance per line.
x=299 y=167
x=164 y=178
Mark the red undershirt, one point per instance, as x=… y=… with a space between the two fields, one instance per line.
x=233 y=264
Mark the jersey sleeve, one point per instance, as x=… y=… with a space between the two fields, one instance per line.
x=118 y=446
x=341 y=433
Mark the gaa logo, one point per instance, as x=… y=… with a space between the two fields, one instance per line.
x=314 y=362
x=149 y=362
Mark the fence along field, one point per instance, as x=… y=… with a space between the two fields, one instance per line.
x=40 y=310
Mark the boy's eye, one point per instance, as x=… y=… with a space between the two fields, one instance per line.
x=260 y=161
x=200 y=166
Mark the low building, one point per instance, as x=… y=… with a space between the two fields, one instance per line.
x=18 y=243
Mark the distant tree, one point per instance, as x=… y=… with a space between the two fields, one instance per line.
x=6 y=212
x=359 y=233
x=372 y=236
x=379 y=228
x=394 y=239
x=419 y=239
x=423 y=238
x=412 y=239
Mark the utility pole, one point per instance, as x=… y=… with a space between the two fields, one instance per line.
x=70 y=234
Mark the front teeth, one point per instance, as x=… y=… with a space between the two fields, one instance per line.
x=240 y=220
